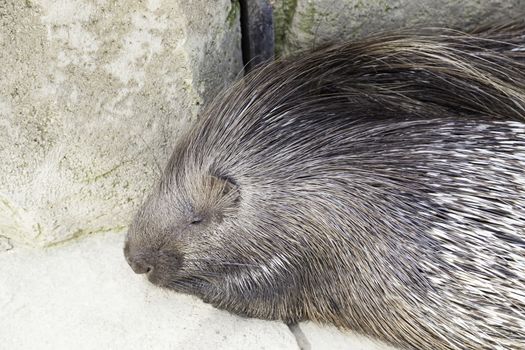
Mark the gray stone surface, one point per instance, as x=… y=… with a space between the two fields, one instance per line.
x=83 y=295
x=328 y=337
x=302 y=24
x=93 y=93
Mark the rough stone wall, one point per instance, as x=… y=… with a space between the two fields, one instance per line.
x=303 y=24
x=93 y=94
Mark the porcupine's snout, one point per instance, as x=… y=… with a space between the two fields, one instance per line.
x=139 y=263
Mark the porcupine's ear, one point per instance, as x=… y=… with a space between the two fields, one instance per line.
x=226 y=189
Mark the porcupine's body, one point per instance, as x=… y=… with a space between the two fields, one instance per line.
x=378 y=186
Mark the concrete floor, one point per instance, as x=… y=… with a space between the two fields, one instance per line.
x=82 y=295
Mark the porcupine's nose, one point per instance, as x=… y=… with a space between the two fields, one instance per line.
x=140 y=266
x=137 y=262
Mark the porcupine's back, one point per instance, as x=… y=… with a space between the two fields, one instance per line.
x=393 y=167
x=431 y=73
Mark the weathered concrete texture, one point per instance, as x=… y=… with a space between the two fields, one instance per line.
x=283 y=12
x=303 y=24
x=92 y=92
x=327 y=337
x=84 y=296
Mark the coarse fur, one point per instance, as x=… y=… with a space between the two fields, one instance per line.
x=376 y=185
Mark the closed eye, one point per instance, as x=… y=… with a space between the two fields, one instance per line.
x=196 y=221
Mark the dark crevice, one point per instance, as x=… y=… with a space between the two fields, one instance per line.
x=300 y=338
x=256 y=17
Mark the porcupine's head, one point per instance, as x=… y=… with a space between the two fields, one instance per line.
x=219 y=224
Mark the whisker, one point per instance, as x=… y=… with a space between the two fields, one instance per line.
x=221 y=262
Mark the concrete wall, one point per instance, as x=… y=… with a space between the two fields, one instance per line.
x=302 y=24
x=92 y=94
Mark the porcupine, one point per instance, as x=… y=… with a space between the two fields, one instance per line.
x=376 y=185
